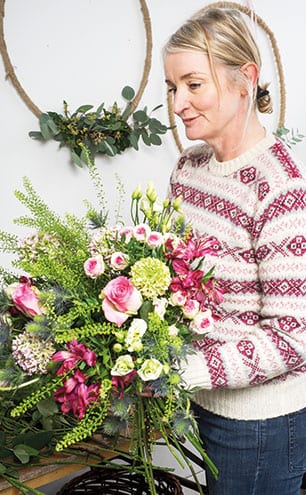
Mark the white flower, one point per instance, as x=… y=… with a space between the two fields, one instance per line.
x=151 y=369
x=191 y=308
x=177 y=299
x=155 y=239
x=173 y=331
x=119 y=261
x=123 y=365
x=202 y=322
x=160 y=305
x=141 y=232
x=134 y=334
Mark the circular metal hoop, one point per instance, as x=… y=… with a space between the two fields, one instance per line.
x=10 y=72
x=277 y=58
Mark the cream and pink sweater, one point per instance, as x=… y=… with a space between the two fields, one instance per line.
x=252 y=364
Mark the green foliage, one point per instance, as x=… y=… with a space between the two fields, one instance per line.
x=290 y=137
x=89 y=132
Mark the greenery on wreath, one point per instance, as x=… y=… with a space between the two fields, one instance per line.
x=103 y=131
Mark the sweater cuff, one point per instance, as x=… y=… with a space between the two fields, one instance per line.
x=195 y=372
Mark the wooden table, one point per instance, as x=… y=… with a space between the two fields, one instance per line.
x=38 y=476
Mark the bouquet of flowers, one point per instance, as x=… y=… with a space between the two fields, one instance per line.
x=94 y=329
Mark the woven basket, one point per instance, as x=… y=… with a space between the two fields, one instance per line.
x=120 y=482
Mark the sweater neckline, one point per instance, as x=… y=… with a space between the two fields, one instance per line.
x=230 y=166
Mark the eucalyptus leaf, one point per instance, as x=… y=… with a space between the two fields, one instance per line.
x=36 y=135
x=134 y=138
x=155 y=139
x=128 y=93
x=145 y=137
x=110 y=150
x=45 y=130
x=76 y=159
x=140 y=116
x=83 y=109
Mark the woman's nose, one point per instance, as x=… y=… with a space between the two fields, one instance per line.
x=180 y=102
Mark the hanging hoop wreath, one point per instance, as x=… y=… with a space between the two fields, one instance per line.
x=281 y=130
x=87 y=132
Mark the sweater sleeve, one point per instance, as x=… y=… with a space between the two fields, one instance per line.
x=251 y=347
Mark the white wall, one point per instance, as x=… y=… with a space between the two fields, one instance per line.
x=85 y=51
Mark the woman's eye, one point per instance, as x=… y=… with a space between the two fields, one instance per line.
x=194 y=85
x=172 y=90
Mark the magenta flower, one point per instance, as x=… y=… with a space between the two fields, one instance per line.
x=121 y=382
x=76 y=352
x=75 y=395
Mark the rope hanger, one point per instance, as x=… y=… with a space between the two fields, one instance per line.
x=11 y=75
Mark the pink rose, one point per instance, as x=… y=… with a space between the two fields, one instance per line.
x=94 y=266
x=119 y=261
x=120 y=300
x=25 y=298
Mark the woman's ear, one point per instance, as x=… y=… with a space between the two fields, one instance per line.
x=250 y=71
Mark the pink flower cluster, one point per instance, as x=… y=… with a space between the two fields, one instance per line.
x=190 y=289
x=75 y=395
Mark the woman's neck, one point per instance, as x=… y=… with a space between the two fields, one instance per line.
x=230 y=147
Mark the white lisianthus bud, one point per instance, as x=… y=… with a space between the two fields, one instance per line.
x=119 y=261
x=177 y=299
x=160 y=305
x=191 y=308
x=202 y=322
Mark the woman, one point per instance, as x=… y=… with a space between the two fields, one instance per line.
x=245 y=187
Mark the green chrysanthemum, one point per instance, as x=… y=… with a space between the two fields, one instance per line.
x=151 y=277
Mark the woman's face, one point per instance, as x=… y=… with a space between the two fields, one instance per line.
x=206 y=114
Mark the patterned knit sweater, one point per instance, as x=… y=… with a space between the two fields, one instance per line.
x=252 y=364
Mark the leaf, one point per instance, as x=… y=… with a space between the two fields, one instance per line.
x=145 y=137
x=36 y=440
x=140 y=116
x=36 y=135
x=99 y=109
x=47 y=407
x=155 y=139
x=76 y=159
x=24 y=453
x=45 y=131
x=128 y=93
x=83 y=109
x=146 y=308
x=110 y=150
x=134 y=138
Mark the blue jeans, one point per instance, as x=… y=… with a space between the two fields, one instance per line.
x=266 y=457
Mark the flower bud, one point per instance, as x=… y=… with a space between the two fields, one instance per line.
x=177 y=203
x=137 y=193
x=151 y=192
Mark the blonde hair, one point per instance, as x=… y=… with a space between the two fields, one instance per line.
x=225 y=38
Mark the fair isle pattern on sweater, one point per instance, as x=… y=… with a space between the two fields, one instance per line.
x=256 y=206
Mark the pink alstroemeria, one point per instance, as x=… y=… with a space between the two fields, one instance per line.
x=76 y=352
x=121 y=382
x=75 y=395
